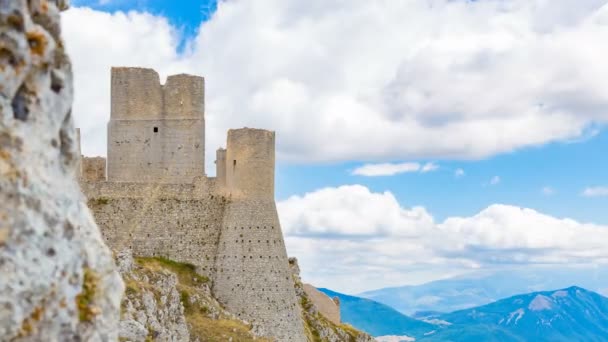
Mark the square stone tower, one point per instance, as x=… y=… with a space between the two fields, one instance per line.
x=156 y=133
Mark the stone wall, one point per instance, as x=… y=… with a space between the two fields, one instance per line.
x=176 y=221
x=156 y=133
x=220 y=168
x=250 y=163
x=252 y=276
x=326 y=306
x=238 y=243
x=159 y=151
x=93 y=169
x=157 y=200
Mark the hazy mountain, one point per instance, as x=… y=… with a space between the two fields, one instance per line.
x=572 y=314
x=377 y=319
x=470 y=291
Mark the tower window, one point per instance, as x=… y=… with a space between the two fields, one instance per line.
x=234 y=162
x=155 y=129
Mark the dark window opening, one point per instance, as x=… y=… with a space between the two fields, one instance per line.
x=155 y=129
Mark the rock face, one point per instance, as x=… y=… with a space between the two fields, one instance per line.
x=58 y=280
x=319 y=327
x=168 y=301
x=155 y=311
x=327 y=306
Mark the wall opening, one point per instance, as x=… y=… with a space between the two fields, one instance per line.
x=155 y=129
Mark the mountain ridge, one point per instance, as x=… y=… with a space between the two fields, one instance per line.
x=463 y=292
x=569 y=314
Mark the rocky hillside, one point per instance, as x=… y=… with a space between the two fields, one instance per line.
x=169 y=301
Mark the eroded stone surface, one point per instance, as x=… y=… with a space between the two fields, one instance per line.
x=58 y=280
x=158 y=315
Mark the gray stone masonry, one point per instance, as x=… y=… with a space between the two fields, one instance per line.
x=156 y=133
x=157 y=201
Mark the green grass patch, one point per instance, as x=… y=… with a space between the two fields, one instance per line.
x=186 y=273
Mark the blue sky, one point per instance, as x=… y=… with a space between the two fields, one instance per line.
x=566 y=167
x=186 y=15
x=506 y=100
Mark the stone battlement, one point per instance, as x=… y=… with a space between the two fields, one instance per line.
x=137 y=94
x=152 y=196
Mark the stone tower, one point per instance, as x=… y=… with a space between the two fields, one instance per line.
x=157 y=201
x=156 y=132
x=252 y=271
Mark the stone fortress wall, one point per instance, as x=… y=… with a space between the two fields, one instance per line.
x=153 y=197
x=156 y=132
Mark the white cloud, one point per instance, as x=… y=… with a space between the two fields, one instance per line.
x=495 y=180
x=368 y=80
x=391 y=169
x=352 y=239
x=459 y=173
x=429 y=167
x=598 y=191
x=548 y=191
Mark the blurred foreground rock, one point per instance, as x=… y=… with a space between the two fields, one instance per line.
x=58 y=281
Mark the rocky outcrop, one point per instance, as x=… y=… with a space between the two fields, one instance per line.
x=327 y=307
x=169 y=301
x=154 y=310
x=58 y=281
x=318 y=327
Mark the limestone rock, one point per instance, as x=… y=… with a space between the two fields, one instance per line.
x=156 y=312
x=124 y=261
x=58 y=280
x=326 y=306
x=168 y=301
x=318 y=326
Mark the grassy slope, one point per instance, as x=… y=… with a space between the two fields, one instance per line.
x=207 y=328
x=200 y=323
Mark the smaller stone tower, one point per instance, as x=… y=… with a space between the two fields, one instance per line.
x=156 y=132
x=220 y=168
x=253 y=279
x=250 y=163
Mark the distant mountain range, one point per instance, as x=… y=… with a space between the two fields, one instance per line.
x=466 y=292
x=571 y=314
x=377 y=319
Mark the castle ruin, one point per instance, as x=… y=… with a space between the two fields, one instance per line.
x=152 y=196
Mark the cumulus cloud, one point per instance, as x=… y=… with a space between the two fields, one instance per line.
x=367 y=80
x=352 y=239
x=598 y=191
x=391 y=169
x=429 y=167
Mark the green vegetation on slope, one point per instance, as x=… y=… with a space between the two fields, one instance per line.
x=207 y=321
x=320 y=329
